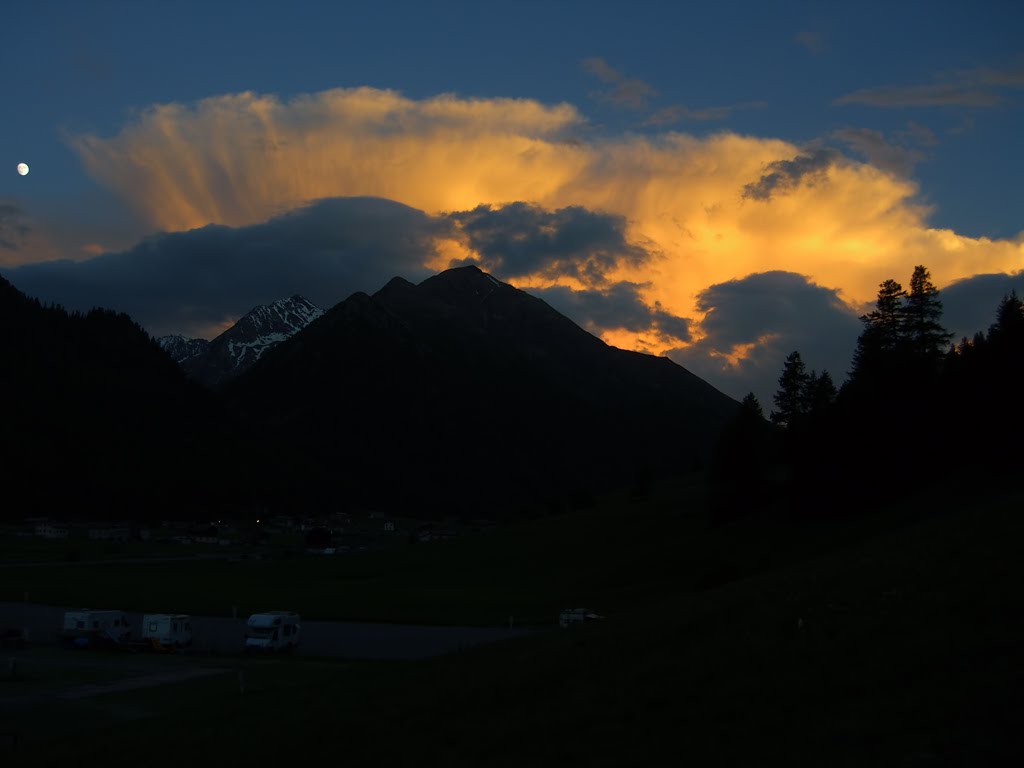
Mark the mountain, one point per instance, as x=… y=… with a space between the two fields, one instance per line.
x=181 y=348
x=246 y=341
x=465 y=395
x=100 y=423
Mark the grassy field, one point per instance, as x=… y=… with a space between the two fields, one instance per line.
x=622 y=555
x=843 y=644
x=30 y=549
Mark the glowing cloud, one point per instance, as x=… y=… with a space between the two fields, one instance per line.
x=704 y=211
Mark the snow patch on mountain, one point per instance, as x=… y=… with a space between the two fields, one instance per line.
x=245 y=342
x=181 y=348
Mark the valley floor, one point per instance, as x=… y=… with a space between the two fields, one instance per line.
x=870 y=643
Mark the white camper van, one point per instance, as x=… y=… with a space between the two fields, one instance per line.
x=570 y=616
x=272 y=631
x=165 y=631
x=86 y=626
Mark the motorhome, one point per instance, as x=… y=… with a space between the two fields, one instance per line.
x=272 y=631
x=86 y=626
x=166 y=631
x=570 y=616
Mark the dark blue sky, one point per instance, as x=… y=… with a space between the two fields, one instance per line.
x=931 y=93
x=71 y=66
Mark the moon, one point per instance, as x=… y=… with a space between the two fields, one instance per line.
x=23 y=169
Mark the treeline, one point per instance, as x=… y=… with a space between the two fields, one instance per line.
x=99 y=423
x=916 y=413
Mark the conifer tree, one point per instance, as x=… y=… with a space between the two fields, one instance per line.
x=820 y=393
x=791 y=399
x=882 y=337
x=924 y=334
x=1007 y=332
x=750 y=408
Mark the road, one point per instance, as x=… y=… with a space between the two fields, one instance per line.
x=333 y=639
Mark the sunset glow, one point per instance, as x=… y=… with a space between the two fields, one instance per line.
x=237 y=159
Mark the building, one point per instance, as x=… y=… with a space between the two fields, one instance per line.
x=51 y=530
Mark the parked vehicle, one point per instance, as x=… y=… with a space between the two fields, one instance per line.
x=570 y=616
x=272 y=631
x=167 y=631
x=89 y=627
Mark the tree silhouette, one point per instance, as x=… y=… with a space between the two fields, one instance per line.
x=882 y=337
x=791 y=399
x=925 y=337
x=1007 y=332
x=750 y=408
x=740 y=467
x=820 y=393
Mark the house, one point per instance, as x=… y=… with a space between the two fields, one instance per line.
x=431 y=532
x=51 y=530
x=109 y=533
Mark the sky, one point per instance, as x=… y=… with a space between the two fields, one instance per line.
x=719 y=183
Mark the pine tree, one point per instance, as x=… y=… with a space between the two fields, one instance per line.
x=1007 y=332
x=741 y=463
x=750 y=408
x=791 y=399
x=820 y=394
x=882 y=337
x=926 y=338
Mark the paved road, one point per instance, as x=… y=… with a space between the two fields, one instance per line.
x=335 y=639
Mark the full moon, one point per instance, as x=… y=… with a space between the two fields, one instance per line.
x=23 y=169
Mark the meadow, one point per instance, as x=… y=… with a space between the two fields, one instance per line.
x=889 y=639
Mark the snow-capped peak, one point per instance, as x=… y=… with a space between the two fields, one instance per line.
x=260 y=329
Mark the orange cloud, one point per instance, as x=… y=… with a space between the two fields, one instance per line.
x=238 y=159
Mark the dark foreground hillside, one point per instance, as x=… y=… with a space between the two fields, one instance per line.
x=98 y=422
x=895 y=643
x=462 y=396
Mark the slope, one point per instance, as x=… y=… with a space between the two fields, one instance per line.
x=463 y=395
x=98 y=420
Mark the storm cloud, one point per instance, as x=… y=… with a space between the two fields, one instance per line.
x=970 y=305
x=521 y=239
x=198 y=282
x=237 y=159
x=751 y=324
x=617 y=306
x=783 y=175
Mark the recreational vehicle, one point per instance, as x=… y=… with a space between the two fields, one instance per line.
x=272 y=631
x=570 y=616
x=165 y=631
x=86 y=626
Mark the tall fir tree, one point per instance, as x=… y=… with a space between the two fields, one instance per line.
x=882 y=337
x=791 y=399
x=925 y=337
x=820 y=393
x=750 y=408
x=1007 y=332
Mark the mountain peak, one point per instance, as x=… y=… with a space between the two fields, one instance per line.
x=181 y=348
x=240 y=346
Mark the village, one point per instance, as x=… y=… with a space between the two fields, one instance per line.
x=338 y=533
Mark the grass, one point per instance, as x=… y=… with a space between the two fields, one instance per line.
x=623 y=554
x=31 y=549
x=856 y=643
x=36 y=671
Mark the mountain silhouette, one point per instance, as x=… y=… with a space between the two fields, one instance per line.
x=99 y=422
x=241 y=345
x=464 y=395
